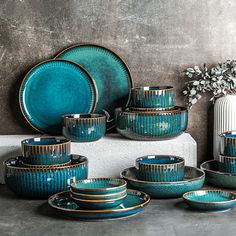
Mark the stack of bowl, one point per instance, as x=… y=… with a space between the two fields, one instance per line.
x=98 y=193
x=45 y=168
x=152 y=115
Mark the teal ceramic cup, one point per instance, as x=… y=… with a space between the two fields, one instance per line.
x=46 y=151
x=160 y=98
x=160 y=168
x=227 y=164
x=228 y=143
x=84 y=127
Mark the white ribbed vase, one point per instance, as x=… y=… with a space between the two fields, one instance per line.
x=224 y=119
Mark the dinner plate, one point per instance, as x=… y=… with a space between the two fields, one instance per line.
x=134 y=202
x=110 y=73
x=54 y=88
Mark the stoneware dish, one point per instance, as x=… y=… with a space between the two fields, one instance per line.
x=160 y=168
x=193 y=180
x=46 y=151
x=98 y=204
x=227 y=164
x=110 y=73
x=228 y=143
x=99 y=186
x=216 y=177
x=84 y=127
x=134 y=202
x=210 y=200
x=151 y=125
x=153 y=97
x=43 y=182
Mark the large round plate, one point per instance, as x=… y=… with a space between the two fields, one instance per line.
x=110 y=73
x=54 y=88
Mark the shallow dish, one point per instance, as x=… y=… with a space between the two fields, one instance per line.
x=227 y=164
x=135 y=202
x=228 y=143
x=210 y=200
x=83 y=127
x=43 y=182
x=151 y=125
x=99 y=186
x=216 y=177
x=160 y=168
x=193 y=180
x=46 y=150
x=153 y=97
x=54 y=88
x=110 y=73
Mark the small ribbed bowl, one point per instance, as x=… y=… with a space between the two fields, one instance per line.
x=84 y=127
x=42 y=182
x=153 y=97
x=228 y=143
x=160 y=168
x=227 y=164
x=99 y=186
x=151 y=125
x=46 y=151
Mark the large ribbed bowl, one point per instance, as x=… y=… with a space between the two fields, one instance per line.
x=151 y=125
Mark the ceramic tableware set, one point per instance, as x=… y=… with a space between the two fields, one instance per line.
x=163 y=176
x=152 y=115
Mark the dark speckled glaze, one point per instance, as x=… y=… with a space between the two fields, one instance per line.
x=228 y=143
x=42 y=182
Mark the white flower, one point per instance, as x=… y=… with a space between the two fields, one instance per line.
x=195 y=83
x=194 y=101
x=185 y=92
x=193 y=91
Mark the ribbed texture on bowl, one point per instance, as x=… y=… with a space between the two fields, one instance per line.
x=228 y=144
x=227 y=164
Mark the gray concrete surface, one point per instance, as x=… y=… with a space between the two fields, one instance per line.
x=162 y=217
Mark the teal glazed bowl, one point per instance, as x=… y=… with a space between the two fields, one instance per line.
x=210 y=200
x=151 y=125
x=153 y=97
x=42 y=182
x=46 y=151
x=99 y=186
x=228 y=143
x=227 y=164
x=193 y=180
x=84 y=127
x=160 y=168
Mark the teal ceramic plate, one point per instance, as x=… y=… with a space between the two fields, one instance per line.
x=110 y=73
x=134 y=202
x=216 y=177
x=193 y=180
x=210 y=200
x=54 y=88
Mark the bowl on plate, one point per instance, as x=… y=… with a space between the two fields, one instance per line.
x=160 y=168
x=46 y=150
x=228 y=143
x=227 y=164
x=153 y=97
x=84 y=127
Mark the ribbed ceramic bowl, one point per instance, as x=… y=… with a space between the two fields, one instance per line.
x=227 y=164
x=99 y=186
x=151 y=125
x=84 y=127
x=43 y=182
x=210 y=200
x=160 y=168
x=153 y=97
x=46 y=150
x=228 y=143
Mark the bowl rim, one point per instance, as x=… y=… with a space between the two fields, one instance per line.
x=153 y=88
x=93 y=116
x=231 y=132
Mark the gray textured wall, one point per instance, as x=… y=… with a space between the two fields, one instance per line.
x=157 y=39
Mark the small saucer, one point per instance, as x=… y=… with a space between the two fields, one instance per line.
x=135 y=202
x=210 y=200
x=193 y=180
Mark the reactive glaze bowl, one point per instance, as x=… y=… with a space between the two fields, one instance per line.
x=99 y=186
x=84 y=127
x=43 y=182
x=160 y=168
x=227 y=164
x=151 y=125
x=228 y=143
x=210 y=200
x=46 y=151
x=193 y=180
x=153 y=97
